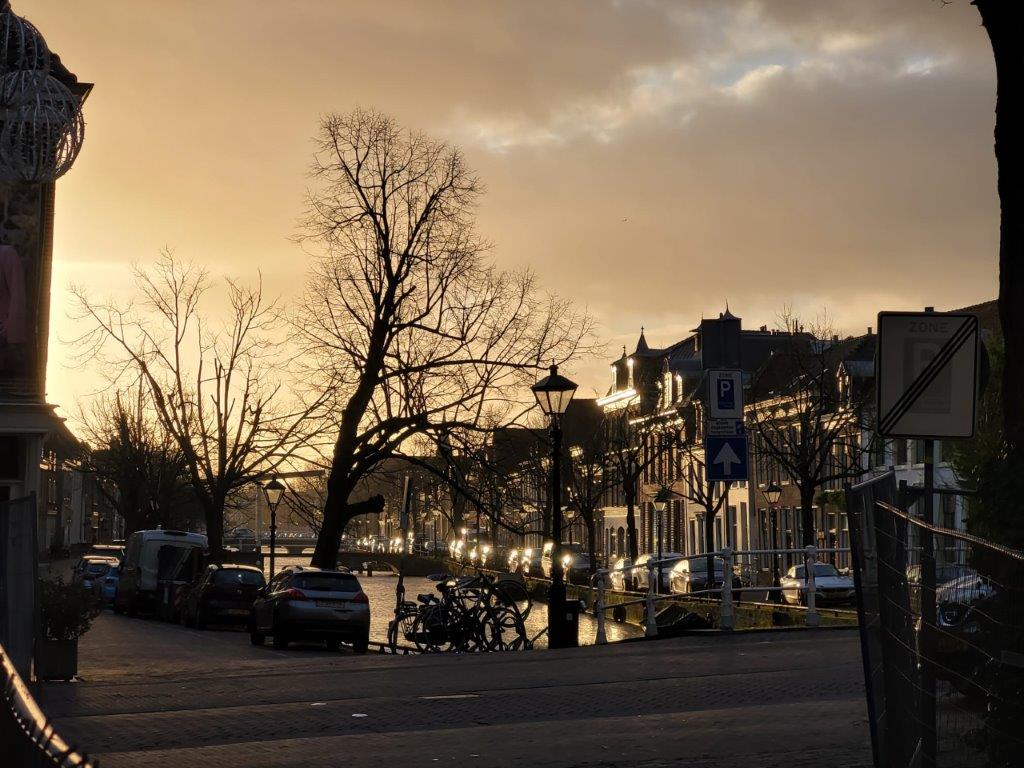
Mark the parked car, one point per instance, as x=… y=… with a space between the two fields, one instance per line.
x=575 y=561
x=621 y=577
x=108 y=590
x=78 y=572
x=95 y=571
x=691 y=575
x=641 y=574
x=829 y=585
x=223 y=594
x=151 y=556
x=305 y=603
x=943 y=574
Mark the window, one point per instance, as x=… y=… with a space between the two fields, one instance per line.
x=900 y=450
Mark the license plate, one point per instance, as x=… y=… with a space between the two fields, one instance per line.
x=238 y=611
x=330 y=603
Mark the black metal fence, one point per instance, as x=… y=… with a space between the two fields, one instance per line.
x=27 y=738
x=942 y=628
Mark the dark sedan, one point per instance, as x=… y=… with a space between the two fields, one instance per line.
x=224 y=594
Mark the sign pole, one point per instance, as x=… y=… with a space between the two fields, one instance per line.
x=928 y=735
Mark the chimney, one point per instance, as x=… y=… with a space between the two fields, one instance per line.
x=869 y=330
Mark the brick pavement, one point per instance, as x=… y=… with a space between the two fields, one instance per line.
x=209 y=699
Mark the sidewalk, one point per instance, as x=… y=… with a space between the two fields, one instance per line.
x=160 y=694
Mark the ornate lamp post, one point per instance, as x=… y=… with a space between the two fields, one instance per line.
x=661 y=500
x=772 y=493
x=554 y=393
x=272 y=492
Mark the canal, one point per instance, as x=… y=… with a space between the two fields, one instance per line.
x=380 y=588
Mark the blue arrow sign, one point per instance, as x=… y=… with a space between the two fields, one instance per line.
x=725 y=458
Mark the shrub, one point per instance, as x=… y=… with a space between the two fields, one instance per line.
x=67 y=610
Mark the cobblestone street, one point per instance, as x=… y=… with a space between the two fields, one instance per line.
x=194 y=698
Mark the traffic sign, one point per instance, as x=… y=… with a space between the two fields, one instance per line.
x=725 y=394
x=724 y=427
x=927 y=374
x=725 y=458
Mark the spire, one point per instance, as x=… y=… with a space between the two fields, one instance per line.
x=641 y=343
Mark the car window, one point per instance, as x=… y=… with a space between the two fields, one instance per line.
x=821 y=570
x=235 y=577
x=97 y=568
x=327 y=582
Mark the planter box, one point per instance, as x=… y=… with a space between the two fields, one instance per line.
x=57 y=659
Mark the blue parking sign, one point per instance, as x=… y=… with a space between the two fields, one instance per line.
x=725 y=458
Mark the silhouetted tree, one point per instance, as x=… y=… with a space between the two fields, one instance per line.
x=405 y=325
x=812 y=431
x=140 y=469
x=214 y=387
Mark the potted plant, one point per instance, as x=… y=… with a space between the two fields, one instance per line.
x=66 y=613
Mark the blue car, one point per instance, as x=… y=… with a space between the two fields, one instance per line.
x=108 y=589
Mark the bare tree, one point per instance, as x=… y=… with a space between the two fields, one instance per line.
x=214 y=386
x=590 y=478
x=805 y=420
x=631 y=449
x=404 y=323
x=140 y=469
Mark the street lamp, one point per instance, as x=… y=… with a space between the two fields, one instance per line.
x=272 y=492
x=661 y=500
x=772 y=493
x=554 y=393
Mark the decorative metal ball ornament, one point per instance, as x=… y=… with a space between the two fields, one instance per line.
x=41 y=137
x=22 y=47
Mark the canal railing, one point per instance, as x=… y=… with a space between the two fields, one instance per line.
x=28 y=738
x=723 y=594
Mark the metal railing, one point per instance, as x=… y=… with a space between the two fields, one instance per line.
x=29 y=739
x=723 y=593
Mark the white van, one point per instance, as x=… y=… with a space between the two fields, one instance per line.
x=149 y=557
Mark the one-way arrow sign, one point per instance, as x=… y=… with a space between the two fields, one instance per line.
x=725 y=458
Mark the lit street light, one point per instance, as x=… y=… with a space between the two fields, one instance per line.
x=554 y=393
x=273 y=491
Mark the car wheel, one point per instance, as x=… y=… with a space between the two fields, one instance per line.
x=118 y=608
x=200 y=618
x=133 y=607
x=256 y=638
x=361 y=644
x=333 y=644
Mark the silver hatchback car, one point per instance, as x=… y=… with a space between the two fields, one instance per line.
x=305 y=603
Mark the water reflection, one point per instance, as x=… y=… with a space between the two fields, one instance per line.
x=381 y=591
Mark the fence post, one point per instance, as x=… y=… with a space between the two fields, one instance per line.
x=725 y=598
x=601 y=638
x=651 y=624
x=810 y=560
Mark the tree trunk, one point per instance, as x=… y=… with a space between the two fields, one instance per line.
x=629 y=489
x=213 y=512
x=1004 y=22
x=591 y=541
x=709 y=544
x=807 y=515
x=329 y=541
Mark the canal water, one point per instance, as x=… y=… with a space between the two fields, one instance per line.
x=380 y=588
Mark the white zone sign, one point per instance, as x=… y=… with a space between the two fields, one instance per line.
x=927 y=374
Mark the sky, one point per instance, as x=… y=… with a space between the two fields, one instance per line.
x=651 y=160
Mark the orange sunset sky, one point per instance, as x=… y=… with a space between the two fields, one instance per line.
x=652 y=160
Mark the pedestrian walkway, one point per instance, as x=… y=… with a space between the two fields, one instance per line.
x=156 y=694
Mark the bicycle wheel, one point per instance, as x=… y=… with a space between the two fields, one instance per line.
x=509 y=592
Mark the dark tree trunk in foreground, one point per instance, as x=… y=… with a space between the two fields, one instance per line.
x=1004 y=22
